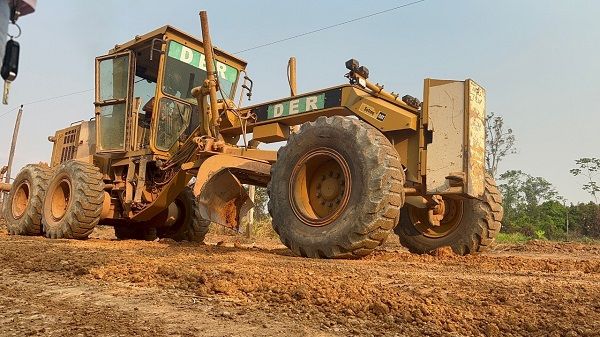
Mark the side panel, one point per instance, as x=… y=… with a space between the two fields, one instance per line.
x=342 y=101
x=446 y=115
x=476 y=139
x=87 y=142
x=455 y=115
x=383 y=115
x=75 y=142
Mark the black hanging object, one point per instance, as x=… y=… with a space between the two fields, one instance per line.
x=14 y=13
x=10 y=64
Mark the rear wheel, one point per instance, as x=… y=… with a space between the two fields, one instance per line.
x=468 y=226
x=73 y=203
x=336 y=189
x=23 y=206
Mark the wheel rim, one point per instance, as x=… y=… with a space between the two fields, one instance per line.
x=59 y=199
x=20 y=200
x=172 y=225
x=320 y=187
x=453 y=213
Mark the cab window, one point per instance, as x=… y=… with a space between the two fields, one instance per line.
x=173 y=120
x=185 y=69
x=111 y=100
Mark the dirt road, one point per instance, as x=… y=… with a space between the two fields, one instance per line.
x=103 y=287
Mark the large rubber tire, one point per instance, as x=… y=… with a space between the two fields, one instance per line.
x=375 y=198
x=23 y=205
x=190 y=226
x=73 y=203
x=476 y=231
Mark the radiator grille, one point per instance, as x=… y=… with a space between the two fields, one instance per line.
x=65 y=145
x=69 y=146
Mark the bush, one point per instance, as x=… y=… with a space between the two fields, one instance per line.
x=512 y=238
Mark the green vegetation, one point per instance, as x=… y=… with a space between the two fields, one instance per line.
x=511 y=238
x=262 y=220
x=589 y=168
x=534 y=209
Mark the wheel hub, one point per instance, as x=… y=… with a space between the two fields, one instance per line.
x=20 y=200
x=60 y=198
x=437 y=212
x=440 y=220
x=319 y=187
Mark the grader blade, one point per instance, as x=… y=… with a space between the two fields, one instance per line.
x=221 y=197
x=224 y=200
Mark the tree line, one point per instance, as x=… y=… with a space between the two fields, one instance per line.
x=532 y=205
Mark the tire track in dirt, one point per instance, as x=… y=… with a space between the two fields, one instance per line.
x=534 y=290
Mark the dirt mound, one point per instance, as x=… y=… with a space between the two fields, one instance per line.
x=391 y=292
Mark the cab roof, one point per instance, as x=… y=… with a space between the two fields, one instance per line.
x=159 y=32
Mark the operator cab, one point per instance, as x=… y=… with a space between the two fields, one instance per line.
x=143 y=91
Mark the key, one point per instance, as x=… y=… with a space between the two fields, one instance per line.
x=6 y=92
x=10 y=67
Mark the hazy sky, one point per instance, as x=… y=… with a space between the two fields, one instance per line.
x=538 y=60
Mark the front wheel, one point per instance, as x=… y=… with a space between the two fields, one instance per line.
x=468 y=225
x=336 y=189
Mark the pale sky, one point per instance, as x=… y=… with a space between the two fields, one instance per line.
x=539 y=61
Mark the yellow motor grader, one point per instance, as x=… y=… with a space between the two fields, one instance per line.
x=167 y=153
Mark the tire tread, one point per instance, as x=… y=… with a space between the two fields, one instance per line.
x=384 y=190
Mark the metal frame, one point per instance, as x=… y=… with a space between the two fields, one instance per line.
x=127 y=100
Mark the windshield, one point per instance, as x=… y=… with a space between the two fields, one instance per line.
x=186 y=68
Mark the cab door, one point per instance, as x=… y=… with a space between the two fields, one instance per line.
x=114 y=83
